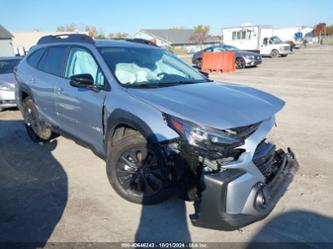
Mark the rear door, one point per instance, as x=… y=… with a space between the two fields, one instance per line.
x=44 y=81
x=80 y=110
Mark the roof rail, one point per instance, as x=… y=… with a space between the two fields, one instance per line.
x=142 y=41
x=66 y=38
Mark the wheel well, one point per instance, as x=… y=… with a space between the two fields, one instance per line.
x=121 y=131
x=24 y=95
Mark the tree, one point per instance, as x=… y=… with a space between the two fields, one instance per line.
x=319 y=29
x=121 y=35
x=200 y=33
x=111 y=36
x=329 y=30
x=91 y=30
x=100 y=36
x=67 y=28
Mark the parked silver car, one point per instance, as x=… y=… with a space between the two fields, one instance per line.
x=160 y=125
x=7 y=81
x=242 y=58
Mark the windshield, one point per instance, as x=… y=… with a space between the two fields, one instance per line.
x=276 y=40
x=7 y=66
x=230 y=48
x=148 y=67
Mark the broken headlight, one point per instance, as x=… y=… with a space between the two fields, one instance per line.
x=203 y=137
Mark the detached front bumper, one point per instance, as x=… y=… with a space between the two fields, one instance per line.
x=211 y=210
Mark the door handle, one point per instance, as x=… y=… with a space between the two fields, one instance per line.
x=59 y=90
x=32 y=81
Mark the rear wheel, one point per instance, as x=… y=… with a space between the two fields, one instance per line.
x=284 y=55
x=135 y=171
x=37 y=131
x=240 y=63
x=274 y=53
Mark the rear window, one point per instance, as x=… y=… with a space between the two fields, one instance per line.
x=7 y=66
x=53 y=60
x=34 y=58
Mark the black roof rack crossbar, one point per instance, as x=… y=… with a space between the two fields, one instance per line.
x=65 y=38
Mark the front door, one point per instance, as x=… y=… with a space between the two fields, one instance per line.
x=80 y=110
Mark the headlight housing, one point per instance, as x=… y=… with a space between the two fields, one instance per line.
x=250 y=57
x=203 y=137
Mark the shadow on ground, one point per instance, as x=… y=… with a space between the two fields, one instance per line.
x=33 y=192
x=295 y=229
x=165 y=222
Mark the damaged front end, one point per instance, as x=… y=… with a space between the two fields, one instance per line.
x=235 y=177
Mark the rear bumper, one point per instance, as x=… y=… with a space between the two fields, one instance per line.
x=211 y=210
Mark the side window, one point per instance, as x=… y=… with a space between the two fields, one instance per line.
x=209 y=50
x=80 y=61
x=265 y=41
x=218 y=49
x=53 y=60
x=234 y=33
x=34 y=58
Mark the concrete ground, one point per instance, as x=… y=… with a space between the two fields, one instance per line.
x=59 y=192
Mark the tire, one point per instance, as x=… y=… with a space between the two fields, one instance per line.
x=1 y=109
x=36 y=130
x=199 y=64
x=135 y=172
x=240 y=63
x=284 y=55
x=274 y=53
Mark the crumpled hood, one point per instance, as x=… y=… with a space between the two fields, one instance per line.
x=8 y=79
x=212 y=104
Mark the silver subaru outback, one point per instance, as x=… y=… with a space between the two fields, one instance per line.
x=161 y=126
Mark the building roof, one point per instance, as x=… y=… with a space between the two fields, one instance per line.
x=4 y=33
x=121 y=43
x=173 y=36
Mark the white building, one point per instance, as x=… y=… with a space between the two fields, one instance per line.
x=175 y=38
x=6 y=48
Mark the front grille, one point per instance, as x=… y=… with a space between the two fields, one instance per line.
x=264 y=158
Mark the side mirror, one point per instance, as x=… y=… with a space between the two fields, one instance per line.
x=82 y=81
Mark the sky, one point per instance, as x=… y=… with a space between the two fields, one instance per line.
x=129 y=16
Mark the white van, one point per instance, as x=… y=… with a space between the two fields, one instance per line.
x=258 y=38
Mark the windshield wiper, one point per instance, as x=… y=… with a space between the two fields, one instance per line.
x=182 y=82
x=164 y=84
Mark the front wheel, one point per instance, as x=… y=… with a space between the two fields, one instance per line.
x=135 y=171
x=37 y=131
x=274 y=53
x=240 y=63
x=199 y=64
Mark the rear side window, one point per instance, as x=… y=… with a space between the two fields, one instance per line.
x=34 y=58
x=53 y=60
